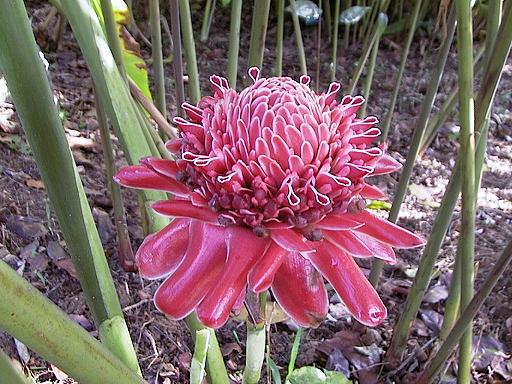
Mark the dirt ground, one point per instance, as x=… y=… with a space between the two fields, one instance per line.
x=32 y=243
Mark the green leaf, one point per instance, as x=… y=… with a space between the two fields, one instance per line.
x=353 y=14
x=312 y=375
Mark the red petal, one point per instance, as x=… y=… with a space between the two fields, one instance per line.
x=184 y=208
x=338 y=223
x=350 y=283
x=291 y=240
x=161 y=252
x=386 y=231
x=372 y=192
x=200 y=270
x=349 y=243
x=263 y=273
x=386 y=164
x=140 y=176
x=300 y=291
x=164 y=167
x=380 y=250
x=244 y=250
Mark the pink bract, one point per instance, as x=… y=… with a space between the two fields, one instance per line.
x=269 y=191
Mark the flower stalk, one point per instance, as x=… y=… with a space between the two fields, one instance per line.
x=8 y=372
x=194 y=91
x=174 y=11
x=334 y=60
x=197 y=367
x=279 y=38
x=207 y=20
x=254 y=352
x=298 y=38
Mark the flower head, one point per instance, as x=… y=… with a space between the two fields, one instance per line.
x=269 y=191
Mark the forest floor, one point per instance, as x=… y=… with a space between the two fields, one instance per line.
x=32 y=243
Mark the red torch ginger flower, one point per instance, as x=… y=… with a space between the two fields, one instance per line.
x=269 y=192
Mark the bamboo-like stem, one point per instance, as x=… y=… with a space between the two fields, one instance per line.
x=112 y=35
x=30 y=317
x=318 y=49
x=194 y=91
x=197 y=367
x=157 y=56
x=215 y=368
x=484 y=101
x=494 y=10
x=124 y=252
x=8 y=372
x=28 y=83
x=258 y=32
x=298 y=38
x=452 y=307
x=417 y=137
x=467 y=143
x=466 y=317
x=403 y=61
x=381 y=26
x=160 y=119
x=327 y=17
x=346 y=32
x=255 y=352
x=174 y=11
x=278 y=71
x=207 y=19
x=335 y=33
x=234 y=42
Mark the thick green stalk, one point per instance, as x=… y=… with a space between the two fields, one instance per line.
x=28 y=83
x=174 y=11
x=8 y=372
x=366 y=53
x=124 y=252
x=346 y=32
x=112 y=34
x=112 y=91
x=234 y=42
x=27 y=315
x=258 y=32
x=194 y=91
x=484 y=101
x=327 y=17
x=466 y=317
x=279 y=38
x=467 y=143
x=452 y=307
x=157 y=56
x=202 y=340
x=494 y=10
x=215 y=368
x=403 y=61
x=298 y=38
x=318 y=50
x=419 y=132
x=207 y=20
x=335 y=40
x=255 y=352
x=381 y=26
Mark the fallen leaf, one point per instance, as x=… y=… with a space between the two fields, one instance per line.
x=338 y=362
x=229 y=348
x=67 y=265
x=80 y=142
x=59 y=375
x=436 y=294
x=32 y=183
x=432 y=319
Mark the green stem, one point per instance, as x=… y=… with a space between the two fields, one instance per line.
x=382 y=23
x=157 y=56
x=327 y=17
x=33 y=98
x=484 y=101
x=8 y=372
x=202 y=340
x=255 y=352
x=194 y=91
x=215 y=368
x=417 y=138
x=452 y=307
x=279 y=38
x=234 y=42
x=334 y=60
x=174 y=11
x=466 y=317
x=125 y=252
x=298 y=38
x=258 y=32
x=403 y=61
x=294 y=352
x=346 y=32
x=207 y=19
x=112 y=34
x=27 y=315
